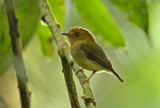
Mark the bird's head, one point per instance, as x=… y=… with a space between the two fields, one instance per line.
x=79 y=34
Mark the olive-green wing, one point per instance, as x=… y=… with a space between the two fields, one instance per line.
x=94 y=52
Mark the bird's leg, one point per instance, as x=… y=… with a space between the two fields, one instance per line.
x=91 y=75
x=87 y=80
x=79 y=70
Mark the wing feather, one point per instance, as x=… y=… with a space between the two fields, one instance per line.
x=94 y=52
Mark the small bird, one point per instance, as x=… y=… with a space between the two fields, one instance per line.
x=87 y=53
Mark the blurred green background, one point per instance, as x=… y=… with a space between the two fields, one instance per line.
x=128 y=31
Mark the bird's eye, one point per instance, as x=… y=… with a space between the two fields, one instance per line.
x=77 y=34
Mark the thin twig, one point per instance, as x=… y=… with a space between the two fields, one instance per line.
x=18 y=59
x=63 y=49
x=49 y=19
x=88 y=94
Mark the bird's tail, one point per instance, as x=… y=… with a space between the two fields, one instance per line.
x=113 y=71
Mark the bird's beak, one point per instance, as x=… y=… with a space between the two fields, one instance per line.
x=65 y=34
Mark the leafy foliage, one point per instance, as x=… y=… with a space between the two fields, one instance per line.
x=58 y=9
x=45 y=38
x=44 y=33
x=27 y=13
x=97 y=16
x=137 y=11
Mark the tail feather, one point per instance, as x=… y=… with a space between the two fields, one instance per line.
x=113 y=71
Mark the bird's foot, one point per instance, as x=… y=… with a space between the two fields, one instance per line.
x=85 y=80
x=79 y=70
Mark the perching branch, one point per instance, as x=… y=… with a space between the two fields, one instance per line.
x=88 y=94
x=48 y=18
x=18 y=59
x=63 y=50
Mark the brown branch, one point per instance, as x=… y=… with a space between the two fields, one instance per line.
x=88 y=94
x=18 y=59
x=70 y=83
x=48 y=18
x=63 y=49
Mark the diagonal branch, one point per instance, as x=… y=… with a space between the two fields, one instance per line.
x=48 y=17
x=63 y=49
x=18 y=59
x=88 y=94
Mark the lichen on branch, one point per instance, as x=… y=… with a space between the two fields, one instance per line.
x=67 y=62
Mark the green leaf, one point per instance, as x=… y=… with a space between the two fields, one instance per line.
x=136 y=10
x=27 y=13
x=45 y=38
x=58 y=9
x=154 y=24
x=98 y=17
x=5 y=46
x=44 y=33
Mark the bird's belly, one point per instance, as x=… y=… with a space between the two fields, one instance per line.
x=84 y=62
x=89 y=65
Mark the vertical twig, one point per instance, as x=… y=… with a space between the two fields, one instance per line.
x=18 y=59
x=48 y=18
x=88 y=96
x=67 y=62
x=70 y=83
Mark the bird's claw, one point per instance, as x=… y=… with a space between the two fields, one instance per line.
x=79 y=70
x=85 y=80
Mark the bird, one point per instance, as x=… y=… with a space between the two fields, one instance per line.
x=87 y=53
